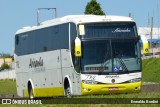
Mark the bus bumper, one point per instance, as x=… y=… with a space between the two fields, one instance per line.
x=88 y=89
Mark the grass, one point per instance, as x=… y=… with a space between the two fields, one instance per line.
x=151 y=70
x=8 y=86
x=86 y=105
x=97 y=97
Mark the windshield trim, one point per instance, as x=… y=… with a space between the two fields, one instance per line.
x=112 y=72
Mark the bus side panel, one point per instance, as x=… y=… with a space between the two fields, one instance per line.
x=45 y=78
x=22 y=75
x=51 y=76
x=21 y=83
x=68 y=70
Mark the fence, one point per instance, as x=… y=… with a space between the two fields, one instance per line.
x=7 y=74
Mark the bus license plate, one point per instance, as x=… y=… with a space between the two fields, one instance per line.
x=113 y=89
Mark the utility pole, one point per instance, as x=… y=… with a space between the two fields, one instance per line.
x=151 y=35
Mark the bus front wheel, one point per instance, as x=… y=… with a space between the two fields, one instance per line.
x=68 y=92
x=67 y=89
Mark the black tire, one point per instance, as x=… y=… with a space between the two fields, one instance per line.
x=67 y=88
x=68 y=92
x=30 y=92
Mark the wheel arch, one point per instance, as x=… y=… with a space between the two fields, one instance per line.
x=30 y=85
x=67 y=82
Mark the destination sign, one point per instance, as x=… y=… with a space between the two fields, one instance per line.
x=96 y=68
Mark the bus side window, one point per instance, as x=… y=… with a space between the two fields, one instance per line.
x=17 y=40
x=44 y=49
x=56 y=29
x=72 y=51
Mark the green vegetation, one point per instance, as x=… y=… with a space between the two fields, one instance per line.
x=7 y=86
x=151 y=70
x=5 y=65
x=6 y=55
x=93 y=8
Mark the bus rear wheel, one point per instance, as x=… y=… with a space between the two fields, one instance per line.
x=30 y=91
x=31 y=94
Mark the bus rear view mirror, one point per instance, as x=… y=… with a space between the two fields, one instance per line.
x=78 y=50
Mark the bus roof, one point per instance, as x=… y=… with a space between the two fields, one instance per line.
x=76 y=19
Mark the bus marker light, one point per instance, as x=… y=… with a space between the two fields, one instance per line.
x=87 y=89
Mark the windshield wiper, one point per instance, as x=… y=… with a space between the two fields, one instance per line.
x=122 y=64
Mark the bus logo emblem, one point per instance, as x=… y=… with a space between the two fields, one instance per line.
x=113 y=81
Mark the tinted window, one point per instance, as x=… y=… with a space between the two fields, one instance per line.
x=42 y=40
x=109 y=30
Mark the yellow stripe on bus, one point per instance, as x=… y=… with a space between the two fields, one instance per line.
x=46 y=92
x=88 y=89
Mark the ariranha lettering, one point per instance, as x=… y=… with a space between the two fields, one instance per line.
x=35 y=63
x=121 y=30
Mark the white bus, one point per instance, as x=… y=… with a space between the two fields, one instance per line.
x=78 y=55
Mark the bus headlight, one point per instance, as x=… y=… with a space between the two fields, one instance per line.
x=89 y=82
x=135 y=80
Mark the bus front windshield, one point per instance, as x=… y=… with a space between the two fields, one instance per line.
x=110 y=56
x=104 y=54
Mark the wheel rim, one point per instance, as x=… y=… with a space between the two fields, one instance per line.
x=68 y=92
x=31 y=94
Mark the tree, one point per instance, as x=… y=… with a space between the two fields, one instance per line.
x=6 y=55
x=5 y=65
x=94 y=8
